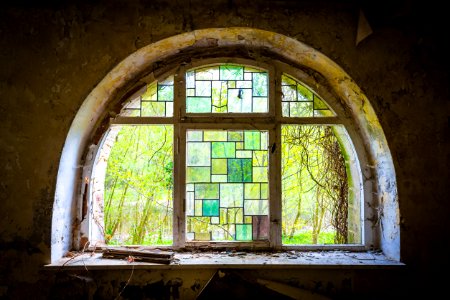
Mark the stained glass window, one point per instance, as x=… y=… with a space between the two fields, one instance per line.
x=226 y=89
x=156 y=100
x=227 y=185
x=299 y=101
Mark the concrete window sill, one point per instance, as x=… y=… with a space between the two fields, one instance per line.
x=237 y=260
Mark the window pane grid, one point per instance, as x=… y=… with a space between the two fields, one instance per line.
x=226 y=185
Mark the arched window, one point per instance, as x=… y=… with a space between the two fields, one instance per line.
x=261 y=160
x=231 y=137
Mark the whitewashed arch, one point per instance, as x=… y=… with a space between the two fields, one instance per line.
x=94 y=106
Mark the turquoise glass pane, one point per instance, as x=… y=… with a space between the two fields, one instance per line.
x=244 y=232
x=210 y=208
x=240 y=170
x=223 y=149
x=252 y=140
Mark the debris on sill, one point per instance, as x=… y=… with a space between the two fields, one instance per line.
x=145 y=255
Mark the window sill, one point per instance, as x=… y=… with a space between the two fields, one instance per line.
x=236 y=260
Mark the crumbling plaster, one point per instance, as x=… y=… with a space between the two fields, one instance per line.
x=52 y=56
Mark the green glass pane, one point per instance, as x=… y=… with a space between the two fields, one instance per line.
x=319 y=104
x=240 y=170
x=202 y=236
x=252 y=140
x=286 y=80
x=198 y=224
x=235 y=215
x=264 y=191
x=198 y=104
x=231 y=84
x=223 y=149
x=153 y=109
x=198 y=174
x=260 y=158
x=248 y=219
x=251 y=70
x=211 y=208
x=323 y=113
x=165 y=93
x=256 y=207
x=198 y=154
x=303 y=93
x=259 y=84
x=230 y=72
x=198 y=208
x=259 y=174
x=215 y=136
x=235 y=136
x=219 y=96
x=301 y=109
x=231 y=195
x=203 y=88
x=150 y=92
x=223 y=215
x=259 y=104
x=243 y=232
x=239 y=145
x=219 y=166
x=252 y=191
x=207 y=191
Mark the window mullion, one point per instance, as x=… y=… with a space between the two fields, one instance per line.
x=275 y=164
x=179 y=162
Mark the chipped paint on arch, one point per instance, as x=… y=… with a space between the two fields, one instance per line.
x=94 y=105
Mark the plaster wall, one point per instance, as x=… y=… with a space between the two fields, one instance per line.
x=53 y=54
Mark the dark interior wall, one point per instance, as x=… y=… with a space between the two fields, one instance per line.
x=52 y=54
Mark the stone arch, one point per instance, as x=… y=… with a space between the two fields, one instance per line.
x=94 y=106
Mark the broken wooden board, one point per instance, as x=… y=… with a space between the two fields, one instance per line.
x=154 y=256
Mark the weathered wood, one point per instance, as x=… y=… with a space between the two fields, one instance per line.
x=162 y=257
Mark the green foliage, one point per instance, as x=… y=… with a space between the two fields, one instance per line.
x=138 y=186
